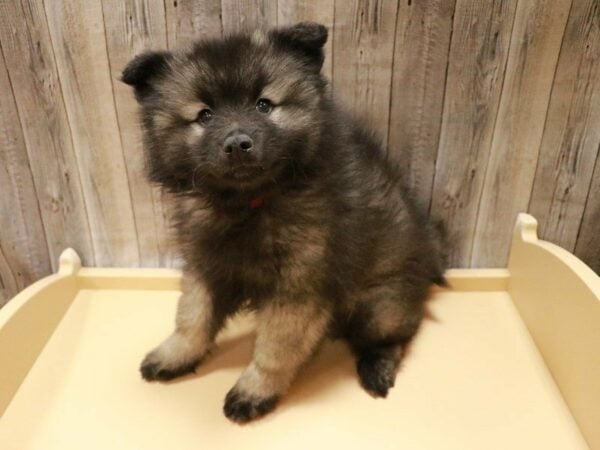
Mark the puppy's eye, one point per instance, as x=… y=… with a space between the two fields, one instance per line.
x=264 y=106
x=205 y=116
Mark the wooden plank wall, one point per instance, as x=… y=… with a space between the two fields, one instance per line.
x=491 y=107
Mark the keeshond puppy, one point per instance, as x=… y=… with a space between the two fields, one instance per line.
x=284 y=205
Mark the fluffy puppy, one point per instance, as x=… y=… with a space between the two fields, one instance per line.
x=286 y=206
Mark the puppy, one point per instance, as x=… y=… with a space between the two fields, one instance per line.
x=286 y=206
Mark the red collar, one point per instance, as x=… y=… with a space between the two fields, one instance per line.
x=256 y=202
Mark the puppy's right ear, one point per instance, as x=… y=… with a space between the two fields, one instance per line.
x=143 y=69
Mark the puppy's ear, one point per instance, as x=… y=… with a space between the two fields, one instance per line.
x=305 y=39
x=142 y=69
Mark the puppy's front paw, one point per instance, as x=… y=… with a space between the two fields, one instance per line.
x=377 y=375
x=241 y=408
x=176 y=356
x=153 y=368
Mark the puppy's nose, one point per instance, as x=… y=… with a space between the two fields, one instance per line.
x=237 y=143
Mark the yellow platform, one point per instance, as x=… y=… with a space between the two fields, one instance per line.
x=507 y=359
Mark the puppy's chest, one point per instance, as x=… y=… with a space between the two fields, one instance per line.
x=246 y=248
x=263 y=255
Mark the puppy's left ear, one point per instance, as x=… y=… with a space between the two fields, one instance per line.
x=305 y=39
x=143 y=69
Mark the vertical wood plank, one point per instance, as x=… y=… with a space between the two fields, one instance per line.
x=535 y=45
x=363 y=54
x=477 y=59
x=32 y=69
x=571 y=138
x=5 y=294
x=248 y=15
x=131 y=27
x=188 y=20
x=292 y=11
x=8 y=281
x=23 y=250
x=418 y=84
x=79 y=42
x=588 y=241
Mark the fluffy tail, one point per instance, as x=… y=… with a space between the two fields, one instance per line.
x=442 y=250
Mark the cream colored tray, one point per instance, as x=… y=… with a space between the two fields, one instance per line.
x=507 y=359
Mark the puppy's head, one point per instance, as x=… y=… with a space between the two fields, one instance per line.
x=231 y=113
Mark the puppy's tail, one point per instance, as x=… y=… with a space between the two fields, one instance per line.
x=442 y=250
x=441 y=281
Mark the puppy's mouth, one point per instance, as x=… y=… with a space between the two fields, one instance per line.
x=246 y=172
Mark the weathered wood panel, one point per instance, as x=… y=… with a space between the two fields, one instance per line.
x=478 y=54
x=133 y=26
x=293 y=11
x=419 y=80
x=588 y=240
x=572 y=138
x=534 y=49
x=23 y=249
x=428 y=75
x=363 y=49
x=8 y=282
x=188 y=20
x=247 y=15
x=30 y=61
x=77 y=33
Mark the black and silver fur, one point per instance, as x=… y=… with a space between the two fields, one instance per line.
x=284 y=205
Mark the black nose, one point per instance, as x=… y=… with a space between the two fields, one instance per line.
x=238 y=142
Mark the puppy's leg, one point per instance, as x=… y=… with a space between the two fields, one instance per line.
x=287 y=335
x=388 y=316
x=195 y=328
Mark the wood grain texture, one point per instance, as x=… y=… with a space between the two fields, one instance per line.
x=422 y=43
x=4 y=296
x=572 y=139
x=32 y=69
x=477 y=60
x=248 y=15
x=23 y=250
x=8 y=282
x=188 y=20
x=293 y=11
x=77 y=33
x=588 y=241
x=535 y=45
x=363 y=49
x=489 y=107
x=131 y=27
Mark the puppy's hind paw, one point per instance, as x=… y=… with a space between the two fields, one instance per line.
x=241 y=408
x=377 y=375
